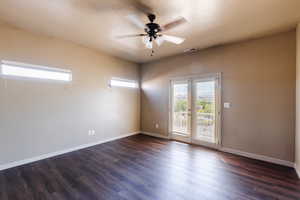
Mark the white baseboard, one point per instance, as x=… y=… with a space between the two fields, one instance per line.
x=258 y=157
x=49 y=155
x=228 y=150
x=155 y=135
x=297 y=170
x=240 y=153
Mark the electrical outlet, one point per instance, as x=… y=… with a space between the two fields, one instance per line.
x=91 y=132
x=156 y=125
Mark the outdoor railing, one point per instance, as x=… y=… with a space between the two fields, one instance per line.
x=205 y=123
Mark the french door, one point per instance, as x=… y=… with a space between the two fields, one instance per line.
x=195 y=109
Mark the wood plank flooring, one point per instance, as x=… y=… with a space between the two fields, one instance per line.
x=147 y=168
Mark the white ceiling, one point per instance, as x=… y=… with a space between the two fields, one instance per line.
x=96 y=24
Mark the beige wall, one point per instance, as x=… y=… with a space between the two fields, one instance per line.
x=258 y=79
x=297 y=146
x=38 y=117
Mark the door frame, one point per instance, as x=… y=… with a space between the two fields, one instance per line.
x=190 y=79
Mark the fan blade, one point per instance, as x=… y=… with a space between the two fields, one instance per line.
x=159 y=40
x=130 y=36
x=134 y=19
x=173 y=24
x=173 y=39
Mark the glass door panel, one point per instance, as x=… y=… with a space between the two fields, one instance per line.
x=205 y=111
x=180 y=108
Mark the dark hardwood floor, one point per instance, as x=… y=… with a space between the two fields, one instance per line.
x=146 y=168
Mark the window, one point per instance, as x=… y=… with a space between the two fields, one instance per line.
x=123 y=83
x=16 y=69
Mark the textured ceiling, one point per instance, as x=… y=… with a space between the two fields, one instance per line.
x=96 y=24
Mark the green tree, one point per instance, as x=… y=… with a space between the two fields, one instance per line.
x=180 y=106
x=204 y=106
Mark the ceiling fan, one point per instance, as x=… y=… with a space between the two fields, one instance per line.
x=154 y=32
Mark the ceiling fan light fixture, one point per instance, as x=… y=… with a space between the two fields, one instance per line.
x=146 y=39
x=149 y=45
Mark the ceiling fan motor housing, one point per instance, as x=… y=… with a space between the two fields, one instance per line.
x=152 y=28
x=151 y=17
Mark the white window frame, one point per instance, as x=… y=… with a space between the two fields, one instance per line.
x=128 y=81
x=33 y=67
